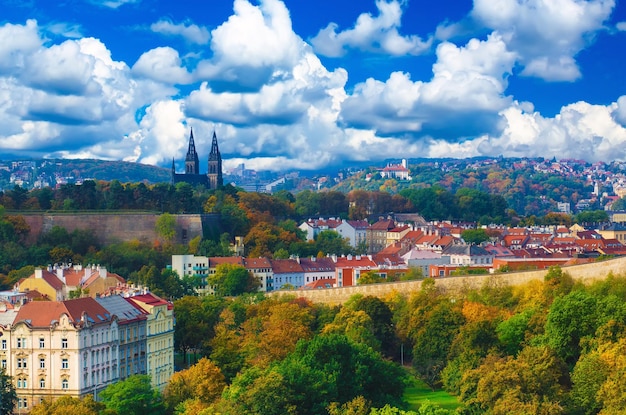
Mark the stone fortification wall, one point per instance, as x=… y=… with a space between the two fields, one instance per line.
x=585 y=273
x=110 y=228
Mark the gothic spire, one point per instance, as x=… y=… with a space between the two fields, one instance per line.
x=192 y=164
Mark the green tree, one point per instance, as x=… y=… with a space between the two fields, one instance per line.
x=570 y=319
x=8 y=396
x=475 y=236
x=590 y=372
x=232 y=280
x=133 y=396
x=166 y=227
x=325 y=369
x=433 y=339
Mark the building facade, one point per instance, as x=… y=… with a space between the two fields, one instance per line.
x=159 y=337
x=60 y=348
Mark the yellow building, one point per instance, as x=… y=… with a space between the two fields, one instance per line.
x=160 y=337
x=56 y=283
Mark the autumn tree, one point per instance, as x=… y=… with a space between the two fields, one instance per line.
x=203 y=382
x=273 y=328
x=70 y=405
x=535 y=381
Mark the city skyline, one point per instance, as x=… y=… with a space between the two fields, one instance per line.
x=305 y=85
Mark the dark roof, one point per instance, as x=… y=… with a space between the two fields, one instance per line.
x=471 y=250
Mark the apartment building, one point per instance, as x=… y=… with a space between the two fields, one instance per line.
x=60 y=348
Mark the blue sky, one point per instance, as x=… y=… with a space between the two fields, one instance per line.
x=305 y=85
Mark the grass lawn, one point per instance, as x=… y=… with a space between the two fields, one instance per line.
x=418 y=392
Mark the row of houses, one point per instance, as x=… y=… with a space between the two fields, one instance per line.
x=437 y=249
x=53 y=346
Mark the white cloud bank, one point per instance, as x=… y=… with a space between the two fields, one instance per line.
x=275 y=105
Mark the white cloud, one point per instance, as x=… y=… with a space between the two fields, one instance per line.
x=621 y=26
x=16 y=43
x=580 y=130
x=620 y=110
x=371 y=34
x=546 y=34
x=467 y=86
x=254 y=47
x=190 y=32
x=162 y=65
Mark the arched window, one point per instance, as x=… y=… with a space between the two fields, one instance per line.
x=65 y=384
x=42 y=383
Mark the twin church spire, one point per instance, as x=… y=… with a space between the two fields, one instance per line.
x=213 y=179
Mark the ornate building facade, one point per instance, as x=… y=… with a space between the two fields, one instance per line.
x=211 y=180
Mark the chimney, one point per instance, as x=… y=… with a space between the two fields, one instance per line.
x=103 y=272
x=38 y=273
x=60 y=274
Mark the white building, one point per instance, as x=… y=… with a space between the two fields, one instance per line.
x=60 y=348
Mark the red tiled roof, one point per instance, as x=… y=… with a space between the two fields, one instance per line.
x=257 y=263
x=43 y=313
x=285 y=266
x=356 y=262
x=383 y=225
x=317 y=264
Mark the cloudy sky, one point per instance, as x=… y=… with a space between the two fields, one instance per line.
x=309 y=84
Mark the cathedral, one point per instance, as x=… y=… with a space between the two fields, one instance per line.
x=211 y=180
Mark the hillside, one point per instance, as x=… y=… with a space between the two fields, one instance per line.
x=57 y=171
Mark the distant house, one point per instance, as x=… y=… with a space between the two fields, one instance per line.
x=377 y=235
x=423 y=259
x=348 y=269
x=354 y=230
x=287 y=273
x=467 y=255
x=313 y=227
x=316 y=269
x=396 y=171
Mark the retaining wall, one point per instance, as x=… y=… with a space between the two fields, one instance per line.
x=585 y=273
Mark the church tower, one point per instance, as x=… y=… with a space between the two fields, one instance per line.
x=192 y=164
x=215 y=165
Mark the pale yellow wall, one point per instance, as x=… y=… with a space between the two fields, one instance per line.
x=39 y=284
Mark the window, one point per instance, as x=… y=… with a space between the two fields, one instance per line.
x=21 y=383
x=63 y=343
x=65 y=363
x=22 y=403
x=42 y=343
x=4 y=344
x=42 y=363
x=21 y=363
x=3 y=364
x=42 y=383
x=21 y=343
x=65 y=384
